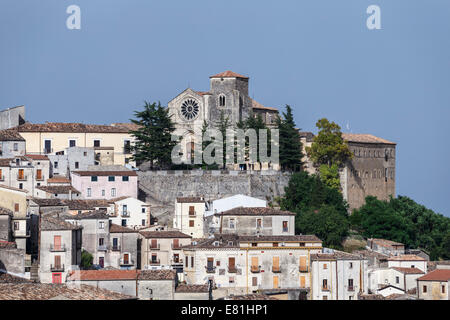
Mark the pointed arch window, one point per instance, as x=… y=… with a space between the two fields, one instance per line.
x=222 y=100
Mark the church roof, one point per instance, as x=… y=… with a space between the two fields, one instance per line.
x=228 y=74
x=257 y=105
x=364 y=138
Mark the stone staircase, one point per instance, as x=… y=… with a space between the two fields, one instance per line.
x=34 y=272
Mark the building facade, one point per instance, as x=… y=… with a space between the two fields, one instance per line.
x=189 y=216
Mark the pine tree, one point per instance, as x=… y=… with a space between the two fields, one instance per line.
x=291 y=150
x=153 y=136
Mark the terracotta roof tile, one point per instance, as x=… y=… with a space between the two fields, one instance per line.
x=37 y=157
x=253 y=296
x=59 y=189
x=190 y=200
x=71 y=127
x=53 y=223
x=8 y=278
x=105 y=173
x=10 y=135
x=87 y=275
x=228 y=74
x=115 y=228
x=185 y=288
x=436 y=275
x=157 y=275
x=5 y=212
x=364 y=138
x=406 y=257
x=258 y=211
x=408 y=270
x=56 y=179
x=257 y=105
x=163 y=234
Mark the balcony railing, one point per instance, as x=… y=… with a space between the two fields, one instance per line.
x=232 y=269
x=48 y=150
x=175 y=261
x=325 y=288
x=351 y=288
x=23 y=177
x=115 y=248
x=58 y=248
x=157 y=247
x=125 y=213
x=40 y=178
x=303 y=269
x=210 y=269
x=276 y=269
x=126 y=262
x=102 y=248
x=57 y=268
x=192 y=214
x=155 y=262
x=255 y=269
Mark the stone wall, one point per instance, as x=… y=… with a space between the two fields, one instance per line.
x=12 y=261
x=161 y=188
x=12 y=117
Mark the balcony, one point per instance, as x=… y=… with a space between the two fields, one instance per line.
x=102 y=248
x=57 y=268
x=125 y=213
x=22 y=177
x=177 y=261
x=210 y=269
x=325 y=288
x=255 y=269
x=232 y=269
x=115 y=248
x=58 y=248
x=303 y=269
x=192 y=214
x=351 y=288
x=40 y=178
x=126 y=262
x=276 y=269
x=157 y=247
x=155 y=262
x=176 y=247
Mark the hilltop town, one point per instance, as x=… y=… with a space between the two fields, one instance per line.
x=80 y=218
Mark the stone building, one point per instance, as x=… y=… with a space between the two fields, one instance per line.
x=246 y=264
x=130 y=212
x=57 y=192
x=6 y=217
x=59 y=249
x=253 y=221
x=435 y=285
x=227 y=95
x=163 y=249
x=189 y=216
x=386 y=247
x=123 y=250
x=338 y=276
x=12 y=144
x=12 y=117
x=71 y=159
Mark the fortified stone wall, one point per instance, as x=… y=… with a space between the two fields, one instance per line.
x=161 y=188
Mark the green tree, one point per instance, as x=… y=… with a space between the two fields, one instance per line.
x=222 y=124
x=256 y=123
x=153 y=136
x=290 y=146
x=327 y=223
x=86 y=260
x=330 y=176
x=328 y=147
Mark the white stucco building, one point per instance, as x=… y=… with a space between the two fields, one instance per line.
x=189 y=216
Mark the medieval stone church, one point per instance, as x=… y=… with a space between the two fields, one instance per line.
x=228 y=94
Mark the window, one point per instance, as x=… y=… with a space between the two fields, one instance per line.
x=143 y=210
x=85 y=154
x=275 y=264
x=38 y=174
x=47 y=146
x=77 y=165
x=231 y=280
x=126 y=146
x=325 y=284
x=351 y=265
x=55 y=164
x=325 y=266
x=101 y=224
x=192 y=262
x=16 y=226
x=254 y=281
x=191 y=210
x=397 y=279
x=254 y=244
x=350 y=284
x=111 y=178
x=232 y=224
x=124 y=222
x=143 y=222
x=285 y=226
x=94 y=178
x=191 y=223
x=275 y=244
x=103 y=192
x=16 y=147
x=424 y=289
x=186 y=262
x=72 y=143
x=275 y=282
x=56 y=278
x=89 y=192
x=16 y=207
x=125 y=178
x=221 y=100
x=258 y=223
x=101 y=241
x=113 y=192
x=302 y=281
x=20 y=185
x=443 y=288
x=96 y=143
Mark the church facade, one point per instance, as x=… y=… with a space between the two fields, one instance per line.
x=227 y=96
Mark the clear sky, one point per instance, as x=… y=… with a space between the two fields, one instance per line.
x=317 y=56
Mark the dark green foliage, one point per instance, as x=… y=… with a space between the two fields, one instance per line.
x=86 y=260
x=406 y=221
x=291 y=153
x=153 y=138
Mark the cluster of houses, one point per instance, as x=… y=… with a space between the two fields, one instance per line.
x=70 y=216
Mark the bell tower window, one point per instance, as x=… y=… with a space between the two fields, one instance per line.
x=221 y=100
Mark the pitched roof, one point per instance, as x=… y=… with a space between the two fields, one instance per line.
x=7 y=245
x=228 y=74
x=52 y=224
x=257 y=105
x=408 y=270
x=10 y=135
x=8 y=278
x=115 y=228
x=157 y=275
x=95 y=214
x=12 y=188
x=105 y=173
x=164 y=234
x=386 y=243
x=185 y=288
x=87 y=275
x=43 y=291
x=73 y=204
x=202 y=93
x=406 y=257
x=5 y=212
x=71 y=127
x=436 y=275
x=56 y=179
x=364 y=138
x=336 y=255
x=58 y=189
x=190 y=200
x=258 y=211
x=253 y=296
x=37 y=157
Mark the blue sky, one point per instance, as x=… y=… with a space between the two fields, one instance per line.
x=317 y=56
